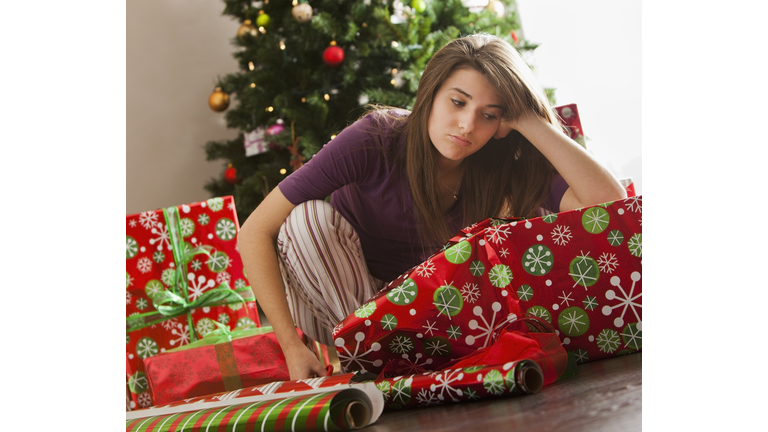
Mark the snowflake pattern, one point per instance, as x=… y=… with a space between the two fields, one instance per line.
x=132 y=223
x=146 y=347
x=145 y=400
x=179 y=335
x=632 y=335
x=162 y=237
x=404 y=293
x=225 y=229
x=625 y=301
x=566 y=298
x=590 y=303
x=497 y=234
x=410 y=367
x=218 y=261
x=203 y=219
x=223 y=278
x=477 y=268
x=538 y=260
x=131 y=247
x=401 y=391
x=366 y=310
x=437 y=346
x=442 y=385
x=199 y=285
x=634 y=204
x=430 y=328
x=389 y=322
x=635 y=245
x=141 y=303
x=561 y=235
x=493 y=382
x=525 y=292
x=144 y=265
x=608 y=341
x=488 y=328
x=401 y=344
x=584 y=271
x=607 y=262
x=346 y=357
x=426 y=269
x=128 y=280
x=470 y=292
x=447 y=300
x=595 y=220
x=148 y=219
x=128 y=297
x=454 y=332
x=196 y=265
x=426 y=398
x=500 y=275
x=186 y=227
x=581 y=356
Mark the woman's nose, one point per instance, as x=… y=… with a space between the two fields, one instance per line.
x=466 y=122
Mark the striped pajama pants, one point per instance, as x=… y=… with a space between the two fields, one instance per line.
x=323 y=269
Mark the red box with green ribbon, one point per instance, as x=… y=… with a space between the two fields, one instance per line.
x=183 y=274
x=223 y=360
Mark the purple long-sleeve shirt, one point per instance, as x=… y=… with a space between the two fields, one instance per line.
x=372 y=193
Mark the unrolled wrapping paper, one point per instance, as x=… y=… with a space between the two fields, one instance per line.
x=340 y=408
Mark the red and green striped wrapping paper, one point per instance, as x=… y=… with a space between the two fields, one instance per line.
x=336 y=408
x=151 y=269
x=579 y=270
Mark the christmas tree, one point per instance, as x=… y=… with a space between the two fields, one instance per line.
x=308 y=69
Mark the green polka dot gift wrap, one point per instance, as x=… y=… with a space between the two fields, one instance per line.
x=580 y=270
x=183 y=273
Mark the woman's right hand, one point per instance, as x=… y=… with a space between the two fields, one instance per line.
x=303 y=364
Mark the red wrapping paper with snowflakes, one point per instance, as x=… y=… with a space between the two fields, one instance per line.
x=151 y=272
x=569 y=117
x=579 y=270
x=219 y=362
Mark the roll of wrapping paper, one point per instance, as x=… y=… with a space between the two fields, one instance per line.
x=339 y=409
x=461 y=385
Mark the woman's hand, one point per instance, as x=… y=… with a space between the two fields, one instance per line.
x=303 y=364
x=505 y=127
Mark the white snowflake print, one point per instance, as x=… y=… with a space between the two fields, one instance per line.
x=196 y=265
x=443 y=387
x=148 y=219
x=430 y=328
x=225 y=229
x=186 y=227
x=634 y=204
x=168 y=276
x=454 y=332
x=573 y=320
x=170 y=323
x=539 y=257
x=437 y=347
x=197 y=287
x=239 y=284
x=561 y=235
x=401 y=391
x=146 y=347
x=231 y=206
x=425 y=269
x=583 y=271
x=625 y=301
x=426 y=398
x=128 y=280
x=145 y=400
x=144 y=264
x=470 y=292
x=635 y=245
x=412 y=367
x=401 y=344
x=497 y=234
x=132 y=223
x=471 y=394
x=608 y=341
x=141 y=304
x=494 y=382
x=223 y=278
x=162 y=237
x=346 y=358
x=128 y=297
x=181 y=335
x=489 y=329
x=607 y=262
x=566 y=298
x=581 y=356
x=504 y=252
x=633 y=338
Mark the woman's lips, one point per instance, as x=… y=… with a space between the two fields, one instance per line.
x=460 y=141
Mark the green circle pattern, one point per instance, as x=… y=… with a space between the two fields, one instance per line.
x=404 y=294
x=146 y=347
x=584 y=271
x=389 y=322
x=459 y=253
x=131 y=247
x=500 y=275
x=477 y=268
x=632 y=336
x=225 y=229
x=615 y=238
x=137 y=383
x=595 y=220
x=525 y=292
x=186 y=227
x=540 y=312
x=154 y=288
x=366 y=310
x=448 y=300
x=218 y=262
x=437 y=346
x=573 y=321
x=538 y=260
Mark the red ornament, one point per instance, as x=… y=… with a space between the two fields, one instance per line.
x=514 y=36
x=333 y=56
x=230 y=175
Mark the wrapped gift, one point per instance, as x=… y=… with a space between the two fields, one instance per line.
x=183 y=274
x=578 y=270
x=222 y=361
x=569 y=117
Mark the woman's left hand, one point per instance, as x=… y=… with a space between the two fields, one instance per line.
x=505 y=127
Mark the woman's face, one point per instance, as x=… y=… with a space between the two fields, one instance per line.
x=466 y=113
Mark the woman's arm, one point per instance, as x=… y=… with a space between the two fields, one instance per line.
x=256 y=242
x=589 y=182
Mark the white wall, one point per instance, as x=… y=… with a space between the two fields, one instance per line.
x=591 y=53
x=175 y=51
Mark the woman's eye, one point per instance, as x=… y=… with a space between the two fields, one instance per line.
x=457 y=102
x=490 y=116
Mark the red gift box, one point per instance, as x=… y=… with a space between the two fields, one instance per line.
x=579 y=270
x=222 y=361
x=569 y=117
x=194 y=283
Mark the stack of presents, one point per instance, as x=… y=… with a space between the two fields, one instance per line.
x=505 y=307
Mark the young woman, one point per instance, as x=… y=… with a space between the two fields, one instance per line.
x=482 y=141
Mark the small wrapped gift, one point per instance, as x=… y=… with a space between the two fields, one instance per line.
x=183 y=273
x=578 y=270
x=223 y=360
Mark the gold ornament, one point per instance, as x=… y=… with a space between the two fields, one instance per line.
x=302 y=12
x=218 y=101
x=247 y=28
x=496 y=7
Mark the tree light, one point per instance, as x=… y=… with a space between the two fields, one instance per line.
x=283 y=171
x=327 y=97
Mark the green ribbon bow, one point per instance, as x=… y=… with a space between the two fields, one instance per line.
x=174 y=302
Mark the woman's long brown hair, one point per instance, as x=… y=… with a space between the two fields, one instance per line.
x=507 y=177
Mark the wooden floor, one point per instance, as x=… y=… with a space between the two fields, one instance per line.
x=606 y=395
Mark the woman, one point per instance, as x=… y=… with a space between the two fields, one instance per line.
x=481 y=141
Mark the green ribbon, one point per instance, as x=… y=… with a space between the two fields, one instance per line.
x=174 y=302
x=223 y=335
